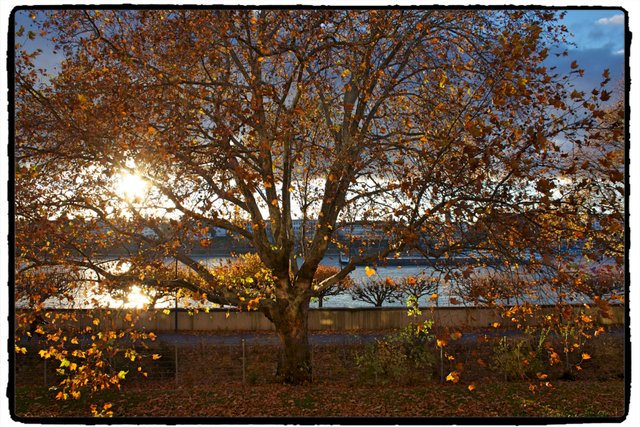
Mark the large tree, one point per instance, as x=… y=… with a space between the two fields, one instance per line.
x=446 y=130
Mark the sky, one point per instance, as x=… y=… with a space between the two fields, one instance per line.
x=599 y=43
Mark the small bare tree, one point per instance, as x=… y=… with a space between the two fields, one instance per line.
x=417 y=287
x=375 y=291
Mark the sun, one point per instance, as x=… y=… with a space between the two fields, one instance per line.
x=137 y=298
x=131 y=186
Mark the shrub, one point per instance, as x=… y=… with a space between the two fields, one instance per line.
x=395 y=358
x=521 y=358
x=381 y=361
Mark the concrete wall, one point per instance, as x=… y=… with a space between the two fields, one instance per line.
x=333 y=319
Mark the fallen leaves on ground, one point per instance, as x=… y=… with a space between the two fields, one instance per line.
x=499 y=399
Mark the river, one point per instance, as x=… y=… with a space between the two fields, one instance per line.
x=447 y=293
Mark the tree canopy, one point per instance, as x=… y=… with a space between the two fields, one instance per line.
x=444 y=130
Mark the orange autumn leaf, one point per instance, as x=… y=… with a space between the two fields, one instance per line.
x=453 y=376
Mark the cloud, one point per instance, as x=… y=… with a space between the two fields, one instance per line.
x=619 y=52
x=612 y=20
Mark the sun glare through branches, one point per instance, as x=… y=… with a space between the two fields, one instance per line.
x=131 y=186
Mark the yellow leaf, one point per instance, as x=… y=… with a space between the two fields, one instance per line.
x=586 y=356
x=441 y=343
x=152 y=336
x=226 y=315
x=346 y=73
x=496 y=324
x=156 y=356
x=369 y=271
x=471 y=387
x=434 y=297
x=542 y=376
x=82 y=98
x=122 y=374
x=166 y=311
x=96 y=321
x=443 y=80
x=453 y=377
x=74 y=340
x=127 y=317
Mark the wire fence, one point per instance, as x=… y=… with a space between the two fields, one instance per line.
x=203 y=363
x=188 y=364
x=347 y=361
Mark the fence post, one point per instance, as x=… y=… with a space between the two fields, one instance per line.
x=176 y=362
x=441 y=364
x=311 y=362
x=244 y=363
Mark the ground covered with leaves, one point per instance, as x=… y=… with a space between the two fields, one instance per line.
x=498 y=399
x=373 y=378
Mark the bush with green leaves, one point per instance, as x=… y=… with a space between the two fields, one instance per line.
x=382 y=362
x=520 y=358
x=397 y=356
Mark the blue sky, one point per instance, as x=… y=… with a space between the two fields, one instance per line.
x=600 y=44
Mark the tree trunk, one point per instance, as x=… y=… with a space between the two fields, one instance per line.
x=291 y=322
